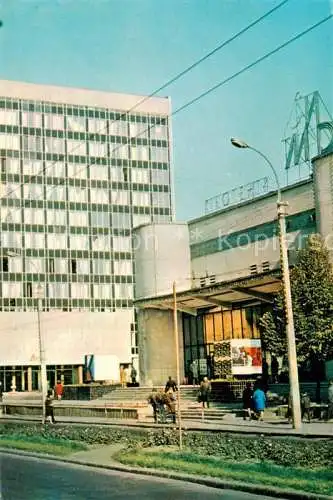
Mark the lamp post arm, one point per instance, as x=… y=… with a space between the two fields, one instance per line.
x=273 y=170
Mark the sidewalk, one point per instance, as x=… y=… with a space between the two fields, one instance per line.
x=317 y=429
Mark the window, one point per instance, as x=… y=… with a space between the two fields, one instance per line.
x=76 y=124
x=139 y=153
x=54 y=122
x=97 y=149
x=51 y=266
x=32 y=167
x=140 y=175
x=73 y=266
x=75 y=170
x=159 y=154
x=55 y=240
x=5 y=264
x=76 y=147
x=99 y=196
x=123 y=291
x=77 y=194
x=101 y=243
x=100 y=219
x=138 y=220
x=118 y=151
x=141 y=199
x=54 y=145
x=159 y=176
x=120 y=197
x=99 y=172
x=125 y=174
x=9 y=117
x=80 y=290
x=118 y=127
x=79 y=242
x=28 y=289
x=161 y=199
x=159 y=132
x=96 y=126
x=102 y=291
x=9 y=141
x=83 y=266
x=123 y=267
x=3 y=165
x=122 y=244
x=78 y=218
x=101 y=266
x=139 y=130
x=121 y=220
x=31 y=119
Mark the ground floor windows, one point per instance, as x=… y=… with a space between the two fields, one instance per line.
x=204 y=331
x=27 y=378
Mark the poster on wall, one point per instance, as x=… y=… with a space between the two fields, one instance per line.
x=246 y=356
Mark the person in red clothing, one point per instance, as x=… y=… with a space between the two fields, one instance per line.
x=59 y=390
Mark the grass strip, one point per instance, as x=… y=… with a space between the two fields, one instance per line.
x=317 y=480
x=41 y=444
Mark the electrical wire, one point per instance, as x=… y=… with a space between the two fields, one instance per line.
x=173 y=80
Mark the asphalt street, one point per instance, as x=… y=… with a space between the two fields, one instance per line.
x=26 y=478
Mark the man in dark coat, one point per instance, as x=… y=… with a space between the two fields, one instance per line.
x=171 y=384
x=247 y=401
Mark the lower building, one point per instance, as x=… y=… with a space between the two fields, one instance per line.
x=226 y=270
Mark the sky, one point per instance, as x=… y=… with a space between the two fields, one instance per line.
x=135 y=46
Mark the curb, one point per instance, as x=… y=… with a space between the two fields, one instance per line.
x=201 y=480
x=185 y=428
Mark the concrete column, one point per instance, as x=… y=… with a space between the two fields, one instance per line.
x=80 y=374
x=13 y=384
x=157 y=356
x=22 y=380
x=29 y=379
x=323 y=193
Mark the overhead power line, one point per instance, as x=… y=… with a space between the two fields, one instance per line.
x=170 y=82
x=252 y=65
x=227 y=80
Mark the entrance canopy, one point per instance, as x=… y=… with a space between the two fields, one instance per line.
x=259 y=288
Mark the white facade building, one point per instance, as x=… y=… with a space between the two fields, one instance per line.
x=79 y=169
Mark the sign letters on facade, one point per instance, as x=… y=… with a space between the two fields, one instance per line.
x=313 y=136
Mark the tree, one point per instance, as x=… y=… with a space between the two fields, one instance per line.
x=312 y=297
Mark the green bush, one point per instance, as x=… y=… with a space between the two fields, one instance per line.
x=297 y=452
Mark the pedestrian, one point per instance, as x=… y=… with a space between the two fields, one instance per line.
x=330 y=400
x=59 y=390
x=306 y=406
x=49 y=412
x=171 y=384
x=170 y=402
x=133 y=375
x=247 y=401
x=122 y=377
x=1 y=397
x=205 y=390
x=152 y=400
x=290 y=410
x=259 y=403
x=275 y=370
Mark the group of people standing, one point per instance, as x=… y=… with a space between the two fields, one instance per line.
x=254 y=402
x=164 y=402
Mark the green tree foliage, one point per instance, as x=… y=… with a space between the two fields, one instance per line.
x=312 y=297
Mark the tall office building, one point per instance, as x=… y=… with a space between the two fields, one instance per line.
x=79 y=169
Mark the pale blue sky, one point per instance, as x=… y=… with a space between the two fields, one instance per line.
x=136 y=45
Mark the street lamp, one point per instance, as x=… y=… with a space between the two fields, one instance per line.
x=40 y=338
x=292 y=356
x=175 y=329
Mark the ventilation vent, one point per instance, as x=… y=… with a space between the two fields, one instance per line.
x=253 y=269
x=202 y=282
x=265 y=266
x=212 y=279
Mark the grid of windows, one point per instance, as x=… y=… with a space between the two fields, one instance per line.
x=74 y=181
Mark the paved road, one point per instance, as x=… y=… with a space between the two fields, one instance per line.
x=34 y=479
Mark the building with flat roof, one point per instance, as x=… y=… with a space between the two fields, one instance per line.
x=226 y=267
x=79 y=169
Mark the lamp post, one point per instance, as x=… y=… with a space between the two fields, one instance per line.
x=43 y=373
x=292 y=355
x=175 y=327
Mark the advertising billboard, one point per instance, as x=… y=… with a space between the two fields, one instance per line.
x=246 y=356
